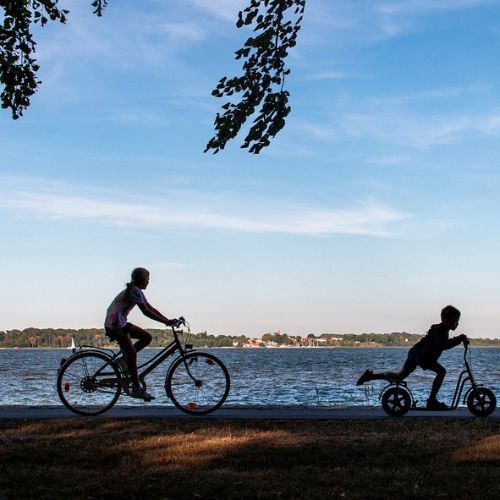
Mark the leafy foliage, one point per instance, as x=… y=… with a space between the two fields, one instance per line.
x=18 y=67
x=277 y=23
x=99 y=6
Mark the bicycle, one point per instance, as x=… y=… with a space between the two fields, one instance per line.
x=91 y=380
x=397 y=399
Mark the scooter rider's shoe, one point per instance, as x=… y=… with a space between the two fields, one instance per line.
x=434 y=404
x=366 y=377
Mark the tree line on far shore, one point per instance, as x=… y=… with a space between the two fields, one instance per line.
x=62 y=338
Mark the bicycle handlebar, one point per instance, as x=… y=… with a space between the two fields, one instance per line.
x=180 y=321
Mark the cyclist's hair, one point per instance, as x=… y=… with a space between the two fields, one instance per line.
x=450 y=313
x=136 y=273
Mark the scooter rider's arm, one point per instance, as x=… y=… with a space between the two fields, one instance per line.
x=454 y=341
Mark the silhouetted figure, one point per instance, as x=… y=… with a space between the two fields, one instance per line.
x=425 y=354
x=119 y=330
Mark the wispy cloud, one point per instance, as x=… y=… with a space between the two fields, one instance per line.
x=387 y=159
x=329 y=75
x=407 y=129
x=133 y=36
x=373 y=21
x=94 y=267
x=183 y=31
x=226 y=9
x=168 y=265
x=137 y=118
x=434 y=94
x=67 y=203
x=411 y=7
x=413 y=131
x=134 y=44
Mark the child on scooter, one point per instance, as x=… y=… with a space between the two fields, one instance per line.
x=425 y=354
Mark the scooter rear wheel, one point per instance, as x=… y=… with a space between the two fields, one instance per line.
x=481 y=402
x=396 y=401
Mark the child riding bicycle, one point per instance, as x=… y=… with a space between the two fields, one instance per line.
x=425 y=354
x=118 y=329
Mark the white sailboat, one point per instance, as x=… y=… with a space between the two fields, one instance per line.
x=73 y=346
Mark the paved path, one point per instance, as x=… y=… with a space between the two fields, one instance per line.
x=250 y=412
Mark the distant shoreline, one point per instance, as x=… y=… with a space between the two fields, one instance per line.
x=37 y=338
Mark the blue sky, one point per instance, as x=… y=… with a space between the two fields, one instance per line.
x=376 y=205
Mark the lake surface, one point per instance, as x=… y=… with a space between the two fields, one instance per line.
x=323 y=376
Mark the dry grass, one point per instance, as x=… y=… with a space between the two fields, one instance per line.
x=85 y=458
x=485 y=450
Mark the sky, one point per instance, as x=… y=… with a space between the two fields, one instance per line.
x=375 y=207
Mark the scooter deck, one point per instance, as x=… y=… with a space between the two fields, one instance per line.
x=423 y=408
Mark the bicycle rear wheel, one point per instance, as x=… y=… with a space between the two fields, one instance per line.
x=198 y=383
x=88 y=383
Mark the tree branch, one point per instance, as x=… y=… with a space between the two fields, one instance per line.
x=261 y=87
x=18 y=67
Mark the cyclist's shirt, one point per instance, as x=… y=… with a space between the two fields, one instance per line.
x=116 y=315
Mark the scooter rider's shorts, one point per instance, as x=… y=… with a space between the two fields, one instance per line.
x=411 y=361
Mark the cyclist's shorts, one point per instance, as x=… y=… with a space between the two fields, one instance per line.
x=118 y=334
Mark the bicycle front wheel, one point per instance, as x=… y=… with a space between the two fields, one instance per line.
x=198 y=383
x=88 y=383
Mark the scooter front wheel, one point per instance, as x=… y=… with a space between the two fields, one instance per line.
x=396 y=401
x=481 y=402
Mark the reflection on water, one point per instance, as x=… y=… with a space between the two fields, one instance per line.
x=262 y=376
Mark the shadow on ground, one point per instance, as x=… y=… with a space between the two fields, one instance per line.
x=87 y=458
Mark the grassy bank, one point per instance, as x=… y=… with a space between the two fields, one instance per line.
x=249 y=459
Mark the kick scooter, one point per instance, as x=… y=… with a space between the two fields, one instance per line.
x=397 y=399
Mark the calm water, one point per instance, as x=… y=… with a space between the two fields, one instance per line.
x=261 y=376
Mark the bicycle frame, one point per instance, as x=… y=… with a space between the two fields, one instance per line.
x=154 y=362
x=166 y=352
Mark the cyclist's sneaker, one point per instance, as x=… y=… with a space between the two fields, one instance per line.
x=122 y=364
x=436 y=405
x=366 y=377
x=141 y=394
